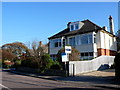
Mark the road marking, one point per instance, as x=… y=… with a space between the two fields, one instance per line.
x=4 y=87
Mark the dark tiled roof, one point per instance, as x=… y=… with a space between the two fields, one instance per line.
x=87 y=27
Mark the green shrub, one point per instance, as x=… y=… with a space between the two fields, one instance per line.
x=47 y=62
x=30 y=62
x=56 y=66
x=16 y=64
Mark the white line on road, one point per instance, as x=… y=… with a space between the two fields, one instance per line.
x=4 y=87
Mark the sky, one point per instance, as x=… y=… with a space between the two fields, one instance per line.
x=29 y=21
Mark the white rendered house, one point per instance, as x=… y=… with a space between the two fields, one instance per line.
x=88 y=38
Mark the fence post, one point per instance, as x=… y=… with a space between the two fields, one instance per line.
x=73 y=70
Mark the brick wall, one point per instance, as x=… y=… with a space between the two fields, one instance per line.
x=106 y=52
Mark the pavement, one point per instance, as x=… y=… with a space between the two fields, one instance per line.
x=36 y=75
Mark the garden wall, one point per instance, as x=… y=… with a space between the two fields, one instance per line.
x=99 y=63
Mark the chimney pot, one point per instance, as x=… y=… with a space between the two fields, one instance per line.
x=110 y=17
x=111 y=25
x=40 y=43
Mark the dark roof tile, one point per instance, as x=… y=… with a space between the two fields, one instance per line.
x=87 y=27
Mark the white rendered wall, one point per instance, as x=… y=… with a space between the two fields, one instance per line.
x=106 y=41
x=78 y=67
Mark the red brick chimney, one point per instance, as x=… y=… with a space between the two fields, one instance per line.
x=40 y=43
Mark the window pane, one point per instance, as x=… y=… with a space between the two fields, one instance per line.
x=51 y=43
x=59 y=44
x=76 y=26
x=90 y=38
x=56 y=44
x=72 y=27
x=86 y=54
x=84 y=39
x=77 y=40
x=91 y=53
x=82 y=54
x=72 y=41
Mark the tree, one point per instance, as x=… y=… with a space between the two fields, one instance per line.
x=16 y=48
x=37 y=52
x=118 y=39
x=7 y=55
x=117 y=65
x=34 y=56
x=38 y=56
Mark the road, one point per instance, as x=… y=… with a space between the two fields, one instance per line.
x=15 y=82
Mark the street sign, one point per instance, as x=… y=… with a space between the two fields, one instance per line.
x=67 y=49
x=64 y=57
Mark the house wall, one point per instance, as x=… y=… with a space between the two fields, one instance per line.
x=106 y=44
x=82 y=48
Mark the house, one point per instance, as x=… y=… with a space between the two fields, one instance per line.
x=87 y=37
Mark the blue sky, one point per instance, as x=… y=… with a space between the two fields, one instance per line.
x=28 y=21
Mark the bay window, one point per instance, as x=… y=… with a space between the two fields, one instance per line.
x=84 y=39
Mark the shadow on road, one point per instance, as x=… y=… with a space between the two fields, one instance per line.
x=93 y=79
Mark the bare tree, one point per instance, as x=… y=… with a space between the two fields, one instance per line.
x=37 y=51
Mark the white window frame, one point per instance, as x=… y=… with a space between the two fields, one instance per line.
x=78 y=39
x=69 y=40
x=53 y=41
x=74 y=25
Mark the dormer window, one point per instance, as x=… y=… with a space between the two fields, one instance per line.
x=75 y=25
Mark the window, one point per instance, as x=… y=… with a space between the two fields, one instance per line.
x=72 y=27
x=84 y=39
x=55 y=43
x=76 y=26
x=90 y=38
x=72 y=41
x=82 y=54
x=77 y=39
x=87 y=55
x=53 y=56
x=90 y=53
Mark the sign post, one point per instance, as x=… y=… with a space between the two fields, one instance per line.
x=65 y=57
